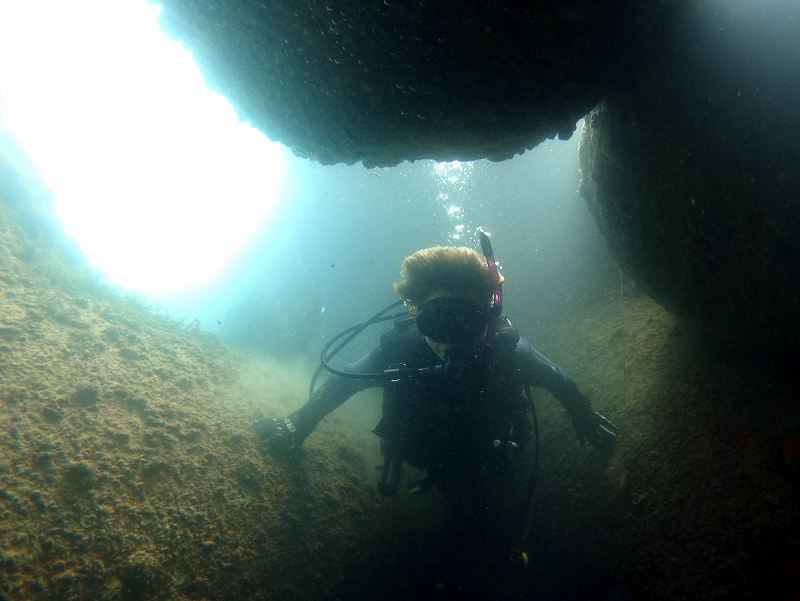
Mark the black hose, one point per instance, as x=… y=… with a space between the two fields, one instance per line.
x=354 y=331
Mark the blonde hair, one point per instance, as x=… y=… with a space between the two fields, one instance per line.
x=460 y=270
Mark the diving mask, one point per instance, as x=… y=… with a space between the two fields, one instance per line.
x=452 y=320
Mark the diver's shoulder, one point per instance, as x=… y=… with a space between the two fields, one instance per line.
x=521 y=345
x=402 y=339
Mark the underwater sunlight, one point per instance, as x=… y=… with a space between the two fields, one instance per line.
x=153 y=175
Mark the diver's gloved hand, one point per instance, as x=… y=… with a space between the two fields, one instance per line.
x=280 y=434
x=593 y=427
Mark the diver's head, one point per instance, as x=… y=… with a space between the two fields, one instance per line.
x=453 y=325
x=449 y=292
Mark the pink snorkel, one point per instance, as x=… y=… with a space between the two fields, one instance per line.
x=497 y=295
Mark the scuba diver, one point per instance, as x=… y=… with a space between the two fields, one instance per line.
x=457 y=403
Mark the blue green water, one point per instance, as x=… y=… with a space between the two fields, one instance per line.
x=329 y=254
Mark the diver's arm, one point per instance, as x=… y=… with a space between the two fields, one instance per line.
x=537 y=370
x=335 y=391
x=288 y=433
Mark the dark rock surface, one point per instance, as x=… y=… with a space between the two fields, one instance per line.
x=690 y=168
x=387 y=81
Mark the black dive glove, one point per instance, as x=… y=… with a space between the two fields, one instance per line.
x=280 y=434
x=593 y=427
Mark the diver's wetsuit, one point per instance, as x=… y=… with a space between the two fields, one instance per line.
x=530 y=367
x=470 y=432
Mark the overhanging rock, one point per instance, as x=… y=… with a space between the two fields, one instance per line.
x=387 y=81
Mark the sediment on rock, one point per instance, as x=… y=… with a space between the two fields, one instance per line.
x=689 y=167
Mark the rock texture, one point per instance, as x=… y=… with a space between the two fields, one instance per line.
x=699 y=499
x=387 y=81
x=128 y=470
x=690 y=167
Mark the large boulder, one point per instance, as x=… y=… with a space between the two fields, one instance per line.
x=690 y=167
x=387 y=81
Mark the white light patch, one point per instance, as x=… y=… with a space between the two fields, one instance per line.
x=152 y=173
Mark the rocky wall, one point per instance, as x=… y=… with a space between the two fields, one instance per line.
x=690 y=168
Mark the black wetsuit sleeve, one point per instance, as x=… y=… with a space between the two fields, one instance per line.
x=537 y=370
x=336 y=390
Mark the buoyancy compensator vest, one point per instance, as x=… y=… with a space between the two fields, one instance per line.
x=450 y=424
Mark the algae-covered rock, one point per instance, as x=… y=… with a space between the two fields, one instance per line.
x=387 y=81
